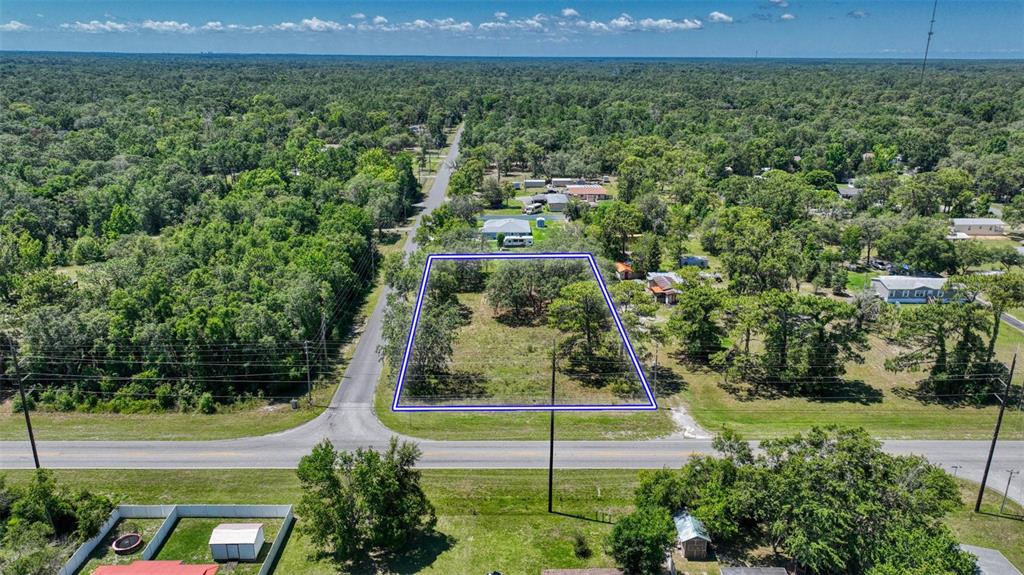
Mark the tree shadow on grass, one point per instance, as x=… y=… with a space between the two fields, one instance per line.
x=419 y=554
x=455 y=384
x=666 y=381
x=844 y=391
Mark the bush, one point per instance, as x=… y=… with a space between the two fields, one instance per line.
x=29 y=401
x=580 y=547
x=206 y=404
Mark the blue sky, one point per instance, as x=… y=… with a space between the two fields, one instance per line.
x=724 y=28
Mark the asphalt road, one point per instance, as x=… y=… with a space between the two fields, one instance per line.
x=350 y=422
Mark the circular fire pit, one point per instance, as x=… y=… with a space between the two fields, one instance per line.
x=127 y=544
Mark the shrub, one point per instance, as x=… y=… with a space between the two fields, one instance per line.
x=580 y=547
x=206 y=404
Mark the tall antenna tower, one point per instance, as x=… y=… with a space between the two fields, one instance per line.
x=931 y=28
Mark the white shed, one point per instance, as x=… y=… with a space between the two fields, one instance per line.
x=236 y=541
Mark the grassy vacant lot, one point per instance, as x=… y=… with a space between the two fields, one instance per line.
x=487 y=519
x=517 y=360
x=189 y=542
x=875 y=399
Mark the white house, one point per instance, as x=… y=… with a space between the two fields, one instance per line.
x=236 y=541
x=978 y=226
x=506 y=226
x=909 y=289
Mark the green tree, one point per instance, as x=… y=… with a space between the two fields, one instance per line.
x=581 y=311
x=357 y=504
x=696 y=321
x=615 y=223
x=1001 y=293
x=640 y=541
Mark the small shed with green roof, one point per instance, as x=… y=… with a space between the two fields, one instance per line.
x=691 y=537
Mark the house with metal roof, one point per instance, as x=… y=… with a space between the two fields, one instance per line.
x=507 y=227
x=691 y=536
x=979 y=226
x=911 y=289
x=662 y=286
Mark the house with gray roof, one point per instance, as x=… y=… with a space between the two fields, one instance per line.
x=979 y=226
x=911 y=289
x=691 y=537
x=506 y=226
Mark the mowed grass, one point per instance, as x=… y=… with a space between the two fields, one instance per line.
x=190 y=538
x=517 y=363
x=487 y=519
x=103 y=555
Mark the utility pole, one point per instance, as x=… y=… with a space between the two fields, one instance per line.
x=995 y=433
x=928 y=45
x=24 y=401
x=323 y=336
x=309 y=382
x=551 y=436
x=1011 y=472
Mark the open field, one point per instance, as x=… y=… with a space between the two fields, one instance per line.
x=487 y=519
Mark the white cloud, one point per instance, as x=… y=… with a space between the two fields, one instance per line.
x=380 y=20
x=717 y=16
x=527 y=24
x=218 y=26
x=14 y=26
x=359 y=16
x=570 y=13
x=858 y=14
x=788 y=16
x=780 y=3
x=313 y=24
x=499 y=15
x=167 y=26
x=95 y=26
x=627 y=23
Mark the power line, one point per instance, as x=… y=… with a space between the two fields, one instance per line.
x=928 y=45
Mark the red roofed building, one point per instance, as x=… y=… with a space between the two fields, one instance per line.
x=588 y=192
x=157 y=568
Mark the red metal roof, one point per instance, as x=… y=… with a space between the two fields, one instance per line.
x=157 y=568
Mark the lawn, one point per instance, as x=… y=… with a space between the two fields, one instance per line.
x=189 y=542
x=487 y=519
x=103 y=555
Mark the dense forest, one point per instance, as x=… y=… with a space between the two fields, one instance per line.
x=173 y=229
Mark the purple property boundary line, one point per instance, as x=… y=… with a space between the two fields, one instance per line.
x=649 y=406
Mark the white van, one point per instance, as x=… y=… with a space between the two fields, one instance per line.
x=517 y=241
x=534 y=208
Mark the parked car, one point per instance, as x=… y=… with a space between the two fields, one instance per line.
x=881 y=265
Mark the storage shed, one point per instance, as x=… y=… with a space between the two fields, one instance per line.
x=691 y=537
x=534 y=183
x=557 y=202
x=236 y=541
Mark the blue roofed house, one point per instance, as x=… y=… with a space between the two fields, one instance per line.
x=910 y=289
x=509 y=227
x=691 y=537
